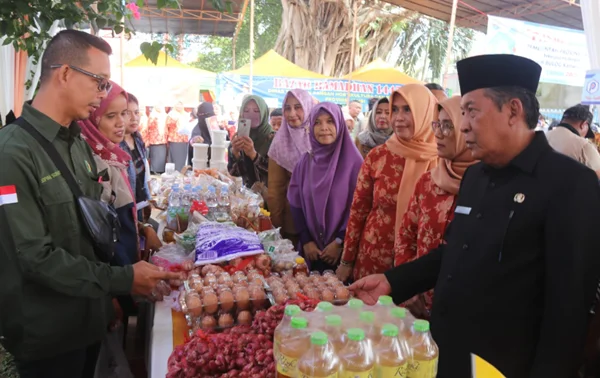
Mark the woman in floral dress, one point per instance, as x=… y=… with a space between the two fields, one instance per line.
x=431 y=207
x=155 y=136
x=177 y=141
x=386 y=182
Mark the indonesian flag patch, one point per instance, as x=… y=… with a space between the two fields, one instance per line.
x=8 y=195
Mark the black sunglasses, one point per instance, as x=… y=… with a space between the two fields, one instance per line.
x=103 y=83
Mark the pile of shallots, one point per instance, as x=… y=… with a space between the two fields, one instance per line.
x=241 y=351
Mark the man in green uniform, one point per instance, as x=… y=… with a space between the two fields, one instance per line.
x=55 y=295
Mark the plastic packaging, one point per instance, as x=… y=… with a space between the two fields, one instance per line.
x=292 y=347
x=356 y=358
x=424 y=360
x=320 y=360
x=217 y=242
x=391 y=355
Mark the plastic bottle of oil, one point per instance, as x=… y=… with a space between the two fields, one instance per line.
x=285 y=327
x=367 y=323
x=400 y=318
x=320 y=361
x=333 y=329
x=391 y=357
x=292 y=347
x=424 y=360
x=356 y=358
x=385 y=301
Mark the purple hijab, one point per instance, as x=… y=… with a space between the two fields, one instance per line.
x=291 y=143
x=324 y=180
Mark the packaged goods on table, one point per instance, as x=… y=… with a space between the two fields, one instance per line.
x=326 y=287
x=354 y=340
x=216 y=242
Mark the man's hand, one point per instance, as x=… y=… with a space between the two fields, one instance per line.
x=370 y=288
x=311 y=251
x=146 y=276
x=331 y=253
x=344 y=272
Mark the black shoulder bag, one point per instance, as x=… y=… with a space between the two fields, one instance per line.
x=101 y=220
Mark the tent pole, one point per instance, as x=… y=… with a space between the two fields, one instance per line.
x=352 y=48
x=450 y=42
x=251 y=44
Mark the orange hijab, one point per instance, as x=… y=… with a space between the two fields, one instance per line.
x=420 y=152
x=449 y=173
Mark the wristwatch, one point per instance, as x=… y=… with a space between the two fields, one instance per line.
x=339 y=241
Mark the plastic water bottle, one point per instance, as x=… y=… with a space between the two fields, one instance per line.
x=224 y=200
x=211 y=201
x=173 y=208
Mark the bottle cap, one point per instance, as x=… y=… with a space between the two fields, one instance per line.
x=398 y=312
x=385 y=300
x=356 y=334
x=318 y=338
x=300 y=260
x=299 y=322
x=211 y=188
x=367 y=316
x=324 y=307
x=292 y=310
x=333 y=320
x=356 y=304
x=389 y=330
x=421 y=325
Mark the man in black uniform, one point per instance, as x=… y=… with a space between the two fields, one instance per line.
x=515 y=280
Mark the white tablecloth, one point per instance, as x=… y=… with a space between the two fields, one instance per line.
x=161 y=341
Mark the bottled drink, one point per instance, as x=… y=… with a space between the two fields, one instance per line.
x=173 y=208
x=211 y=202
x=385 y=301
x=292 y=347
x=333 y=328
x=356 y=304
x=223 y=200
x=300 y=266
x=391 y=356
x=356 y=358
x=283 y=329
x=424 y=360
x=324 y=307
x=367 y=323
x=320 y=360
x=399 y=318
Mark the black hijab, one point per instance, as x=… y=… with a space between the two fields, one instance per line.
x=205 y=110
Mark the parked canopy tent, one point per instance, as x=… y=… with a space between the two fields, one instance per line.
x=378 y=71
x=167 y=82
x=273 y=64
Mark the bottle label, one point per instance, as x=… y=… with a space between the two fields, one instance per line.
x=302 y=375
x=422 y=368
x=357 y=374
x=286 y=365
x=392 y=371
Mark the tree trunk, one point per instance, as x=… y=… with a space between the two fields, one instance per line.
x=317 y=34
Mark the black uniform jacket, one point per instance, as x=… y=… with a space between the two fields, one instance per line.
x=515 y=281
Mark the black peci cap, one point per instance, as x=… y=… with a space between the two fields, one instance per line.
x=499 y=70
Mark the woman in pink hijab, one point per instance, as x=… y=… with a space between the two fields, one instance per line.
x=290 y=143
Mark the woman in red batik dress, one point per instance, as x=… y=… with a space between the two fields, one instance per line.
x=386 y=181
x=431 y=207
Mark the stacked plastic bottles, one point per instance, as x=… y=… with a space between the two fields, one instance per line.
x=354 y=341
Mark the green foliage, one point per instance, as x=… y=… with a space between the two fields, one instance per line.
x=218 y=55
x=25 y=24
x=425 y=40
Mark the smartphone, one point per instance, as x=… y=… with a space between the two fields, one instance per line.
x=244 y=128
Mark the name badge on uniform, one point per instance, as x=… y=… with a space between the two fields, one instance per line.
x=462 y=210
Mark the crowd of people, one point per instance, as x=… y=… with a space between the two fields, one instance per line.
x=423 y=192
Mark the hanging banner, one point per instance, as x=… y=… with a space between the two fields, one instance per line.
x=233 y=88
x=561 y=52
x=591 y=88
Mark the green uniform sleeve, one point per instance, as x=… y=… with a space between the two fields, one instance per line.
x=64 y=271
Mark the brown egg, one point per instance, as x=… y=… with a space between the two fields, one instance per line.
x=210 y=279
x=281 y=297
x=195 y=282
x=225 y=320
x=293 y=295
x=226 y=300
x=327 y=295
x=238 y=276
x=209 y=322
x=258 y=296
x=223 y=278
x=244 y=318
x=312 y=294
x=242 y=298
x=342 y=293
x=193 y=303
x=211 y=303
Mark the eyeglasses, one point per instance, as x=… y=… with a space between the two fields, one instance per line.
x=103 y=83
x=447 y=128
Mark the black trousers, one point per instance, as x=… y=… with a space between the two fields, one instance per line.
x=80 y=363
